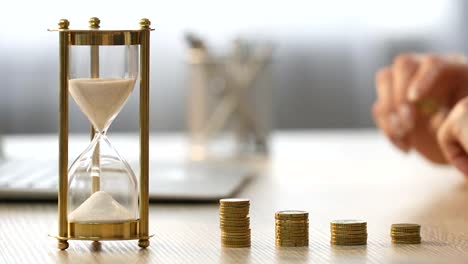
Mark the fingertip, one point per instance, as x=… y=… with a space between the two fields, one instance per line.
x=461 y=163
x=401 y=144
x=406 y=114
x=413 y=93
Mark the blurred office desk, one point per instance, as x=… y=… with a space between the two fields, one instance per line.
x=331 y=174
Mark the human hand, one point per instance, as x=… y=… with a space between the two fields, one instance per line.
x=414 y=96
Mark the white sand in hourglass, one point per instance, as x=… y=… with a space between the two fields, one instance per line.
x=100 y=100
x=100 y=207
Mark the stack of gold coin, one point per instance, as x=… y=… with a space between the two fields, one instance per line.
x=406 y=234
x=234 y=222
x=292 y=228
x=348 y=232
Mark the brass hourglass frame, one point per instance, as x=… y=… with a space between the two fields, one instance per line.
x=95 y=38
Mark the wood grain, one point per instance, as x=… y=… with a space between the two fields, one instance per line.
x=330 y=174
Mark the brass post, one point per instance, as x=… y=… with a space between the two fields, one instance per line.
x=144 y=132
x=63 y=135
x=94 y=24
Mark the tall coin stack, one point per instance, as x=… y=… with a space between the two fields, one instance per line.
x=292 y=228
x=406 y=233
x=348 y=232
x=234 y=222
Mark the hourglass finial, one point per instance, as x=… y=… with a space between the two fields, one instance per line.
x=94 y=23
x=145 y=23
x=63 y=24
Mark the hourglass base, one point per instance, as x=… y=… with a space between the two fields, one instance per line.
x=104 y=231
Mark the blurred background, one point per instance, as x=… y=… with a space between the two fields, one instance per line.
x=325 y=54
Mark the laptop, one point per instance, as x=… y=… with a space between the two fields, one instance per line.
x=36 y=179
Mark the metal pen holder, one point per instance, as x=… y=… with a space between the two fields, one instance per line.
x=229 y=112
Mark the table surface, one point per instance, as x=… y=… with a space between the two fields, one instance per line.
x=331 y=174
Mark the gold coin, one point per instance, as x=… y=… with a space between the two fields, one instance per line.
x=286 y=222
x=339 y=240
x=234 y=223
x=428 y=106
x=236 y=211
x=293 y=224
x=292 y=242
x=351 y=233
x=246 y=244
x=231 y=238
x=405 y=232
x=291 y=215
x=236 y=234
x=291 y=229
x=230 y=234
x=348 y=223
x=361 y=243
x=294 y=232
x=407 y=240
x=235 y=220
x=234 y=201
x=234 y=217
x=231 y=228
x=236 y=242
x=348 y=228
x=292 y=235
x=234 y=228
x=415 y=241
x=345 y=228
x=237 y=246
x=279 y=244
x=348 y=238
x=405 y=236
x=405 y=226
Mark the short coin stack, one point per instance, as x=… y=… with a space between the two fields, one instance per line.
x=348 y=232
x=406 y=234
x=234 y=222
x=292 y=228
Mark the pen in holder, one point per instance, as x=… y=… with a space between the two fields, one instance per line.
x=230 y=102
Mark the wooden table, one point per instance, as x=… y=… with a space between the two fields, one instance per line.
x=333 y=175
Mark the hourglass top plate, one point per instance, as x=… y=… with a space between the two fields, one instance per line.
x=101 y=99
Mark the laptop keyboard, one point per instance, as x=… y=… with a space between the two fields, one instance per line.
x=21 y=179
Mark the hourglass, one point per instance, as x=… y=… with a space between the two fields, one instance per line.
x=99 y=197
